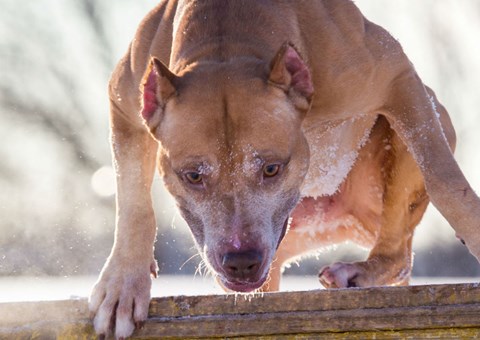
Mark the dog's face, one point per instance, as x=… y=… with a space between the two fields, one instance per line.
x=233 y=154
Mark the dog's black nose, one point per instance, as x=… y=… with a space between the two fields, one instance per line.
x=242 y=265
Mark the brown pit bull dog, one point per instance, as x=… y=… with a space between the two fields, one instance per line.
x=270 y=114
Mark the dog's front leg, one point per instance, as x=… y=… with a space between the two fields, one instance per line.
x=121 y=297
x=413 y=113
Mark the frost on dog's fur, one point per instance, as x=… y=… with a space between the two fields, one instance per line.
x=333 y=155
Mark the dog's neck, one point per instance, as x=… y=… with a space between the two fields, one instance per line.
x=212 y=31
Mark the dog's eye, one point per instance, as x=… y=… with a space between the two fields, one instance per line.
x=194 y=177
x=271 y=170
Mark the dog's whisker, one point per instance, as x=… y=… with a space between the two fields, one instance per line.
x=202 y=269
x=198 y=270
x=208 y=270
x=172 y=223
x=188 y=260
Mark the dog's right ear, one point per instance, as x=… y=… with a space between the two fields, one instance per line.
x=158 y=85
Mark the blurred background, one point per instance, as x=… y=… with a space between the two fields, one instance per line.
x=57 y=188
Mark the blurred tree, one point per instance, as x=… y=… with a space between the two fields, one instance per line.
x=55 y=60
x=48 y=209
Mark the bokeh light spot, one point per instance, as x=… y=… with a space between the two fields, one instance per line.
x=103 y=181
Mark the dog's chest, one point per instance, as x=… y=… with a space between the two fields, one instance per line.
x=333 y=151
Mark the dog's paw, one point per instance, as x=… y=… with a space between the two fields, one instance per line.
x=378 y=271
x=342 y=275
x=120 y=299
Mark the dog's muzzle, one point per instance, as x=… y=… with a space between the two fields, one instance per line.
x=243 y=270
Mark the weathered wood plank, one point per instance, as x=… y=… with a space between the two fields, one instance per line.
x=325 y=299
x=314 y=322
x=441 y=311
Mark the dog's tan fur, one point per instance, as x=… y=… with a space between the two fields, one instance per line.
x=309 y=87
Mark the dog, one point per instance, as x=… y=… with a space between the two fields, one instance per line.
x=279 y=127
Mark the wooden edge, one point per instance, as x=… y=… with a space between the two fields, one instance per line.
x=314 y=322
x=324 y=299
x=270 y=315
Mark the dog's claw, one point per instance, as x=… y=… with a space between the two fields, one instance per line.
x=351 y=283
x=460 y=239
x=139 y=324
x=154 y=269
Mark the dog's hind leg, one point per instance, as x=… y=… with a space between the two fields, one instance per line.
x=413 y=112
x=404 y=202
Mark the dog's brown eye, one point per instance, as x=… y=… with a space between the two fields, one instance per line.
x=194 y=177
x=271 y=170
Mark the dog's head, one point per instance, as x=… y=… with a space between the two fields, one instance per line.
x=233 y=154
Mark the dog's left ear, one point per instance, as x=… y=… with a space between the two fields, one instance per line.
x=158 y=85
x=289 y=72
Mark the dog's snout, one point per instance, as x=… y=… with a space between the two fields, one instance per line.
x=242 y=265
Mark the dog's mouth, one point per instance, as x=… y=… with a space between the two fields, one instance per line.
x=249 y=286
x=243 y=287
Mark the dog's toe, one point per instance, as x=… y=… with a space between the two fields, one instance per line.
x=124 y=325
x=140 y=311
x=104 y=317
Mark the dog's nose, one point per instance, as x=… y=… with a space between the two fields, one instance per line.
x=242 y=265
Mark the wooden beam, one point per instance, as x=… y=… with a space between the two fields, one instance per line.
x=440 y=311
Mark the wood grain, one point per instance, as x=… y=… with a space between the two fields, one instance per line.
x=440 y=311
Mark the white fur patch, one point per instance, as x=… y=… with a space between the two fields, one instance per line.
x=333 y=152
x=318 y=225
